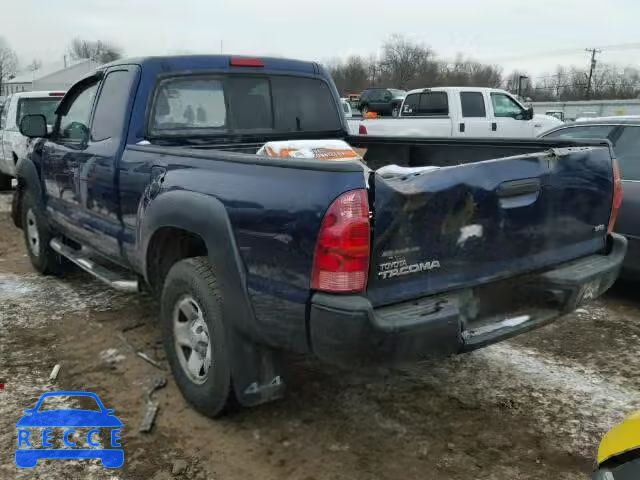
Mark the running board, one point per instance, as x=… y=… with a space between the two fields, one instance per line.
x=110 y=277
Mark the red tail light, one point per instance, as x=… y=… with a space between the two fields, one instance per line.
x=341 y=260
x=362 y=130
x=245 y=62
x=617 y=196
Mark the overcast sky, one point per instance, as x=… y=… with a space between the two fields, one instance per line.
x=535 y=35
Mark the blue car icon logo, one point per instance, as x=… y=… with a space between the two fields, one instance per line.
x=99 y=421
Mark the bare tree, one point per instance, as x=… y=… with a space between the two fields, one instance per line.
x=404 y=62
x=99 y=51
x=351 y=75
x=464 y=73
x=8 y=62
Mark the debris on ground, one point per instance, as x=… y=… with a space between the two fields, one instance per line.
x=54 y=373
x=179 y=467
x=151 y=408
x=111 y=356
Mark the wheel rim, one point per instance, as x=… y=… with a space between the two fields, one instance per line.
x=192 y=341
x=33 y=236
x=394 y=112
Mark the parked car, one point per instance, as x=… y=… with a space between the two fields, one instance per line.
x=150 y=179
x=383 y=101
x=624 y=134
x=461 y=112
x=13 y=145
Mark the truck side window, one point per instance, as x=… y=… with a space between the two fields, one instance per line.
x=109 y=117
x=472 y=104
x=426 y=104
x=505 y=106
x=434 y=103
x=627 y=148
x=74 y=126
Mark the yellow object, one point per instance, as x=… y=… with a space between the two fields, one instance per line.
x=622 y=438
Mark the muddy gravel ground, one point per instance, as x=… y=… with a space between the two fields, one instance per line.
x=530 y=408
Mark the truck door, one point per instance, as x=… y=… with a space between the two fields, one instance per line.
x=509 y=118
x=473 y=121
x=81 y=160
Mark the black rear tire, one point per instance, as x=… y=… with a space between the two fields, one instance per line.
x=194 y=279
x=5 y=182
x=37 y=236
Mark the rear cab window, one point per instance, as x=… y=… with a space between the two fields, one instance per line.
x=426 y=104
x=218 y=104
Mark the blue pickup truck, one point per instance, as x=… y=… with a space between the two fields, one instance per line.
x=150 y=179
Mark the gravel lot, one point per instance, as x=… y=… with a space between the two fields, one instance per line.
x=530 y=408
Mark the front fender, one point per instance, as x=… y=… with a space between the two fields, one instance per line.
x=28 y=176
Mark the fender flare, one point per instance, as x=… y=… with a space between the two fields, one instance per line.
x=255 y=367
x=28 y=175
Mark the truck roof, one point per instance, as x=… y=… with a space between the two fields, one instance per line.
x=458 y=89
x=217 y=62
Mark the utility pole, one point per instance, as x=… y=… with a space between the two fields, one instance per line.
x=592 y=68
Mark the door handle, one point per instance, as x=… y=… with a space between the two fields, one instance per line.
x=462 y=127
x=494 y=126
x=513 y=188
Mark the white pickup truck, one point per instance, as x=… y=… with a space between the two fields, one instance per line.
x=460 y=112
x=13 y=145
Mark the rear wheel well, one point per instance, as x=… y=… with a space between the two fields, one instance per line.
x=167 y=246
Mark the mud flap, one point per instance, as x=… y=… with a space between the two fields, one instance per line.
x=256 y=370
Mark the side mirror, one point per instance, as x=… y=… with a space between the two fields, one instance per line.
x=33 y=126
x=29 y=410
x=109 y=411
x=529 y=113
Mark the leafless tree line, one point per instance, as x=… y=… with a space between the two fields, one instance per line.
x=405 y=64
x=99 y=51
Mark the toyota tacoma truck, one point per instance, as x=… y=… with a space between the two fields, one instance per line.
x=150 y=179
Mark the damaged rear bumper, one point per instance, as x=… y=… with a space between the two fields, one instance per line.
x=347 y=330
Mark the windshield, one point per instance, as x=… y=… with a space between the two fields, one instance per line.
x=76 y=402
x=209 y=105
x=38 y=106
x=397 y=93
